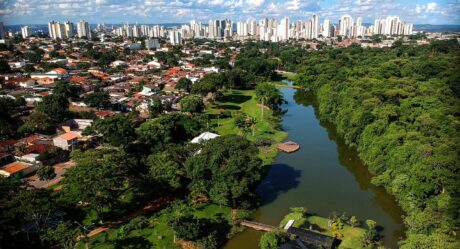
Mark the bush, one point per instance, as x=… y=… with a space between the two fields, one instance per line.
x=264 y=141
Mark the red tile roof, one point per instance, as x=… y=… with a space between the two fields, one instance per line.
x=14 y=167
x=69 y=136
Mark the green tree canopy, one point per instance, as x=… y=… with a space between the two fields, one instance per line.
x=184 y=84
x=226 y=169
x=117 y=130
x=98 y=179
x=192 y=104
x=99 y=99
x=38 y=122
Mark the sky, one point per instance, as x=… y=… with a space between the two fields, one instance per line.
x=179 y=11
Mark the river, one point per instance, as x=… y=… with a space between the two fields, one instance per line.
x=324 y=176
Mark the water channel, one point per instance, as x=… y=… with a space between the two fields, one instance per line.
x=324 y=176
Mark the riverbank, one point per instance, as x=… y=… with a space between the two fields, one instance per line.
x=325 y=175
x=351 y=237
x=237 y=102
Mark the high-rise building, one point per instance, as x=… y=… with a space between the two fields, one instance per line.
x=315 y=27
x=283 y=29
x=392 y=25
x=25 y=31
x=252 y=27
x=326 y=28
x=175 y=37
x=2 y=31
x=152 y=43
x=346 y=26
x=83 y=29
x=242 y=28
x=68 y=30
x=60 y=30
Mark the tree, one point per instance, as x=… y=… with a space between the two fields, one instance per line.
x=116 y=130
x=165 y=171
x=63 y=235
x=184 y=84
x=353 y=221
x=9 y=109
x=29 y=68
x=53 y=155
x=188 y=228
x=105 y=59
x=192 y=104
x=10 y=216
x=156 y=107
x=37 y=208
x=99 y=99
x=228 y=167
x=271 y=240
x=300 y=210
x=370 y=235
x=4 y=67
x=269 y=95
x=46 y=173
x=98 y=179
x=209 y=84
x=38 y=122
x=171 y=128
x=54 y=106
x=66 y=89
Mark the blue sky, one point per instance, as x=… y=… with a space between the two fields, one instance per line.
x=163 y=11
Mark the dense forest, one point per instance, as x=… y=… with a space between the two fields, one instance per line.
x=399 y=107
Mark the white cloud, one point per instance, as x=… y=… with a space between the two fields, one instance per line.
x=430 y=7
x=255 y=3
x=292 y=5
x=151 y=11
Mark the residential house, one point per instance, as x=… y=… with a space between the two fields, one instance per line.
x=67 y=141
x=17 y=169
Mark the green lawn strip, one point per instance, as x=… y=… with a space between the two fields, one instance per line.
x=351 y=235
x=157 y=235
x=245 y=101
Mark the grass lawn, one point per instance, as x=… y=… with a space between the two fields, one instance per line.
x=244 y=101
x=157 y=234
x=351 y=235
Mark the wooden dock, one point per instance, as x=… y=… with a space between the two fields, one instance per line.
x=288 y=146
x=258 y=226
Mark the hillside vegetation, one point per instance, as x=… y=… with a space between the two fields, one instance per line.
x=400 y=108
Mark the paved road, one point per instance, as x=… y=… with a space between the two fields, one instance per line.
x=59 y=168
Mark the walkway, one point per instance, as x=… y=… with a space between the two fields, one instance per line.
x=150 y=207
x=258 y=226
x=59 y=169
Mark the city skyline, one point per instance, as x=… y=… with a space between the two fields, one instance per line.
x=158 y=11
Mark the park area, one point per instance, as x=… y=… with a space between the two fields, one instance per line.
x=156 y=228
x=264 y=131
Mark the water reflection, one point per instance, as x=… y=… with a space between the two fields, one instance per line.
x=325 y=175
x=280 y=179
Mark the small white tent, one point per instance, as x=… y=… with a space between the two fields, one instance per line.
x=205 y=136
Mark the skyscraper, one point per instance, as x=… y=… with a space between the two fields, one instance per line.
x=83 y=29
x=60 y=30
x=2 y=31
x=283 y=29
x=175 y=37
x=326 y=28
x=315 y=26
x=68 y=30
x=346 y=25
x=25 y=31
